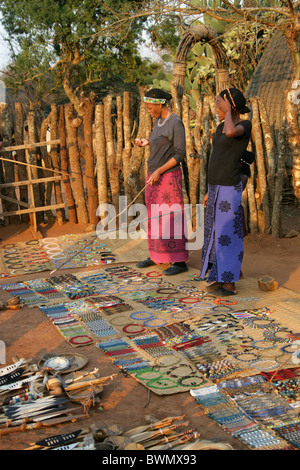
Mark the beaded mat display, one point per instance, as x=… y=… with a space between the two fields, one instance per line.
x=67 y=252
x=234 y=355
x=261 y=410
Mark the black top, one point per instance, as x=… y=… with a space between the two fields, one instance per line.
x=225 y=160
x=166 y=141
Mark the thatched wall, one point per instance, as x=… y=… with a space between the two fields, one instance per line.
x=272 y=78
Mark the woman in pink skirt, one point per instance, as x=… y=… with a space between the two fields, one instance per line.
x=163 y=195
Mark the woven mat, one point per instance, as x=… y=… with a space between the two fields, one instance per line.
x=168 y=332
x=68 y=252
x=249 y=409
x=173 y=336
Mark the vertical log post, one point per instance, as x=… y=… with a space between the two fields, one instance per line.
x=44 y=135
x=205 y=149
x=9 y=168
x=127 y=135
x=64 y=166
x=250 y=188
x=270 y=148
x=20 y=156
x=113 y=167
x=72 y=124
x=293 y=131
x=119 y=125
x=87 y=107
x=133 y=180
x=193 y=164
x=60 y=213
x=100 y=150
x=263 y=193
x=280 y=175
x=32 y=158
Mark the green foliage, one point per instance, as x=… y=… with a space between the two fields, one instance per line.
x=83 y=40
x=94 y=44
x=243 y=44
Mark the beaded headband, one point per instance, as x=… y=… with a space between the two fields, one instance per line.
x=147 y=99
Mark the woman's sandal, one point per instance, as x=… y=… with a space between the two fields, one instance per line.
x=224 y=292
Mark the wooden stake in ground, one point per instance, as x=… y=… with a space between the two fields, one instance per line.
x=250 y=188
x=280 y=175
x=126 y=156
x=87 y=106
x=9 y=170
x=133 y=180
x=260 y=163
x=64 y=166
x=72 y=125
x=100 y=152
x=113 y=164
x=60 y=213
x=20 y=156
x=205 y=149
x=270 y=148
x=193 y=163
x=293 y=130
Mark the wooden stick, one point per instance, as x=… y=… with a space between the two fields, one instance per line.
x=158 y=425
x=32 y=210
x=29 y=146
x=100 y=381
x=69 y=381
x=33 y=166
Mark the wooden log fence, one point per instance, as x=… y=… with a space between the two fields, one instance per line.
x=91 y=160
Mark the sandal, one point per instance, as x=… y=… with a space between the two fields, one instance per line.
x=145 y=264
x=224 y=292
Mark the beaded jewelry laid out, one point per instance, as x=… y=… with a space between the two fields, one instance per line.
x=225 y=409
x=27 y=296
x=48 y=254
x=290 y=432
x=176 y=338
x=23 y=258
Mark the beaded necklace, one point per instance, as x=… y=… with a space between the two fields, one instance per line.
x=164 y=121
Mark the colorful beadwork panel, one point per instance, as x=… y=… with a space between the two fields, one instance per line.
x=172 y=335
x=235 y=356
x=257 y=410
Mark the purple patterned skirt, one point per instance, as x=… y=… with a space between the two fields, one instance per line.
x=223 y=247
x=166 y=238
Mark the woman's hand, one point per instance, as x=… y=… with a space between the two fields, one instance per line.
x=141 y=142
x=223 y=104
x=154 y=177
x=205 y=200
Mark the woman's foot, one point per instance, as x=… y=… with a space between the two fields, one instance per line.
x=145 y=264
x=229 y=287
x=176 y=268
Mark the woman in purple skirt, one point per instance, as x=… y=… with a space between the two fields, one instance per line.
x=223 y=247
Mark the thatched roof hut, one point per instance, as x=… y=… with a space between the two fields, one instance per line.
x=272 y=78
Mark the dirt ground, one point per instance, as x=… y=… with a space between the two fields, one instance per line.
x=125 y=402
